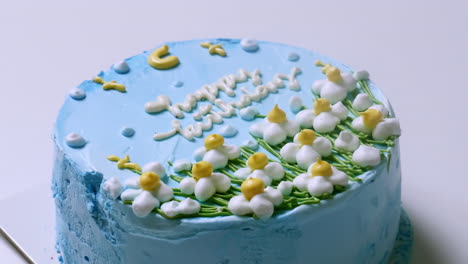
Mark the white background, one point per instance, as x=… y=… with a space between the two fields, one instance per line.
x=416 y=51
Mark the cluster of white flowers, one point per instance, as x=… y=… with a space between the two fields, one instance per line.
x=216 y=152
x=275 y=128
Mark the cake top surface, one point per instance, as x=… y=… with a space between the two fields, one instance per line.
x=222 y=101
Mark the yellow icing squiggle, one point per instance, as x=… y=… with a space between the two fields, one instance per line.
x=124 y=163
x=214 y=49
x=112 y=85
x=156 y=61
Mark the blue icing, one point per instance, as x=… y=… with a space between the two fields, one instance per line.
x=292 y=56
x=178 y=84
x=77 y=94
x=128 y=132
x=119 y=236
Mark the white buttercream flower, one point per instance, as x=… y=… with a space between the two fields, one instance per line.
x=204 y=182
x=182 y=165
x=256 y=199
x=259 y=167
x=147 y=192
x=324 y=117
x=216 y=152
x=320 y=178
x=337 y=85
x=362 y=102
x=185 y=207
x=347 y=141
x=366 y=156
x=155 y=167
x=373 y=121
x=285 y=187
x=275 y=128
x=306 y=149
x=112 y=187
x=295 y=103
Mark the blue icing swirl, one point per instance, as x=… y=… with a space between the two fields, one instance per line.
x=128 y=132
x=77 y=94
x=292 y=56
x=121 y=67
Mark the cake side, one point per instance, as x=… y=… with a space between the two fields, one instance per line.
x=124 y=108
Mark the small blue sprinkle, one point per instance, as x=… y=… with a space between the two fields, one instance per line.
x=77 y=94
x=74 y=140
x=228 y=131
x=121 y=67
x=128 y=132
x=178 y=84
x=292 y=56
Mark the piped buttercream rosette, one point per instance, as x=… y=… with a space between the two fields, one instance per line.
x=373 y=121
x=259 y=167
x=204 y=183
x=216 y=152
x=324 y=117
x=337 y=85
x=275 y=128
x=320 y=178
x=256 y=199
x=306 y=149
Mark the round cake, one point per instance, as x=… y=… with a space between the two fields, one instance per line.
x=227 y=151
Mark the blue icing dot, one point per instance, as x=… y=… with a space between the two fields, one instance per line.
x=251 y=144
x=77 y=94
x=121 y=67
x=249 y=45
x=293 y=56
x=228 y=131
x=128 y=132
x=75 y=140
x=178 y=84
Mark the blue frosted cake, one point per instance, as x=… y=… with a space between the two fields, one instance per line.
x=227 y=151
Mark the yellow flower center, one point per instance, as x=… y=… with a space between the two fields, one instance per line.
x=201 y=169
x=321 y=105
x=213 y=141
x=150 y=181
x=334 y=75
x=257 y=161
x=276 y=115
x=371 y=117
x=306 y=137
x=321 y=168
x=252 y=187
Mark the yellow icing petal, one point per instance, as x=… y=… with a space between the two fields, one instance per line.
x=321 y=168
x=321 y=105
x=132 y=166
x=202 y=169
x=306 y=137
x=371 y=117
x=214 y=49
x=257 y=161
x=156 y=61
x=150 y=181
x=112 y=85
x=121 y=162
x=252 y=187
x=334 y=75
x=213 y=141
x=113 y=158
x=277 y=115
x=324 y=66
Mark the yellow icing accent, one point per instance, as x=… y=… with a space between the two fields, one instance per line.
x=334 y=75
x=156 y=61
x=213 y=141
x=121 y=162
x=324 y=66
x=201 y=169
x=214 y=49
x=150 y=181
x=112 y=85
x=252 y=187
x=306 y=137
x=257 y=161
x=371 y=117
x=277 y=115
x=132 y=166
x=321 y=168
x=321 y=105
x=113 y=158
